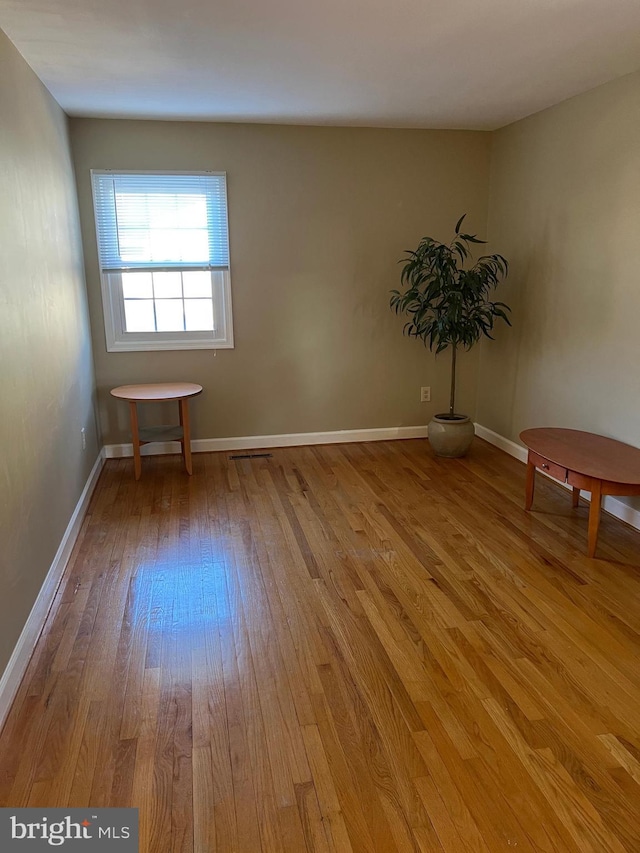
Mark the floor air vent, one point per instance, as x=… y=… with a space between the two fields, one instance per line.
x=251 y=456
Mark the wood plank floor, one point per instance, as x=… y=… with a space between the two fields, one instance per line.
x=341 y=648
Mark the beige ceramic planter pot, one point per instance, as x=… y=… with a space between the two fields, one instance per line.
x=449 y=436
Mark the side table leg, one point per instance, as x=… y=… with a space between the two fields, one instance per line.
x=186 y=434
x=530 y=485
x=594 y=516
x=135 y=438
x=576 y=496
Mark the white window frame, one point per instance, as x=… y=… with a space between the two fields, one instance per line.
x=119 y=340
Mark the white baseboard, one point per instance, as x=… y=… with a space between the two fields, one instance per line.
x=19 y=660
x=259 y=442
x=612 y=505
x=503 y=443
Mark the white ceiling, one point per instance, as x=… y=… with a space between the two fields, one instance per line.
x=403 y=63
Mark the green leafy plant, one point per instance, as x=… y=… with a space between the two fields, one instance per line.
x=448 y=304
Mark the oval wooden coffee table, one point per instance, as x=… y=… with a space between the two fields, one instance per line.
x=600 y=465
x=159 y=392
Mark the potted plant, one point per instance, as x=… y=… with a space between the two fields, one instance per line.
x=448 y=306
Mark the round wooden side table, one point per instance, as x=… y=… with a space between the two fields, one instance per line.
x=159 y=392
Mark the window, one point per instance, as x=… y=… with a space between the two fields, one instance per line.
x=163 y=247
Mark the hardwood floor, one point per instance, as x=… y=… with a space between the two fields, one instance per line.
x=341 y=648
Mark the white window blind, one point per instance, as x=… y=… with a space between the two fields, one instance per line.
x=151 y=221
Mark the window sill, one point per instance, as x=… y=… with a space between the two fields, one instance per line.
x=153 y=346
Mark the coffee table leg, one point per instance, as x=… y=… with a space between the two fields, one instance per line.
x=530 y=485
x=576 y=496
x=135 y=439
x=594 y=516
x=186 y=434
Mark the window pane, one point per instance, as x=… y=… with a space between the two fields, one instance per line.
x=137 y=285
x=164 y=245
x=198 y=315
x=134 y=244
x=192 y=212
x=132 y=210
x=167 y=285
x=178 y=244
x=197 y=284
x=139 y=315
x=162 y=210
x=195 y=244
x=169 y=316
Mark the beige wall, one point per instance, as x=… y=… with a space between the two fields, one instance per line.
x=565 y=209
x=46 y=375
x=318 y=219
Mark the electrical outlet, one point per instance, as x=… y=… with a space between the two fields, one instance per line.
x=425 y=394
x=83 y=433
